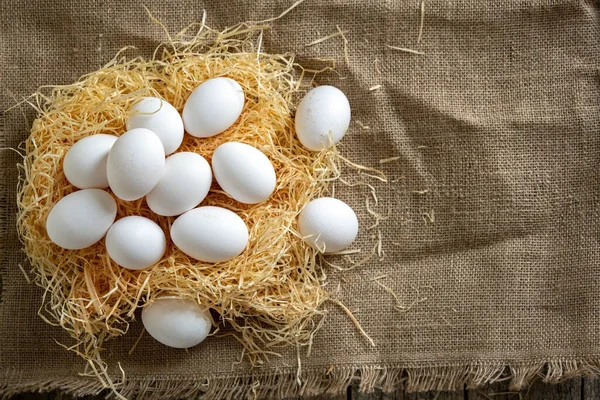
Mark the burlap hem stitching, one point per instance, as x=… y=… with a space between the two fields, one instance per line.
x=322 y=381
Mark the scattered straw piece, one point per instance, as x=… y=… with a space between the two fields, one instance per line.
x=346 y=57
x=429 y=217
x=362 y=183
x=380 y=251
x=388 y=160
x=25 y=274
x=418 y=300
x=376 y=65
x=399 y=304
x=299 y=371
x=390 y=291
x=375 y=87
x=354 y=320
x=422 y=21
x=12 y=149
x=321 y=40
x=296 y=4
x=404 y=49
x=346 y=252
x=378 y=177
x=362 y=126
x=376 y=216
x=141 y=335
x=377 y=173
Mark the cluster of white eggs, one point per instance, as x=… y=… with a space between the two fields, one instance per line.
x=143 y=162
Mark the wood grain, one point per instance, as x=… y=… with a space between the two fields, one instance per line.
x=401 y=395
x=569 y=390
x=575 y=389
x=591 y=389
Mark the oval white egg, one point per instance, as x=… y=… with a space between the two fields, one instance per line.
x=81 y=218
x=324 y=111
x=210 y=234
x=176 y=322
x=135 y=164
x=85 y=162
x=328 y=225
x=244 y=172
x=161 y=118
x=135 y=242
x=213 y=107
x=184 y=184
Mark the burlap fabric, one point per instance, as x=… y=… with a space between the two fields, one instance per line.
x=494 y=227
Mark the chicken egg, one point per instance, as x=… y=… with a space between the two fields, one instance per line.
x=210 y=234
x=135 y=164
x=244 y=172
x=135 y=242
x=328 y=225
x=81 y=218
x=161 y=118
x=176 y=322
x=322 y=117
x=183 y=185
x=85 y=162
x=213 y=107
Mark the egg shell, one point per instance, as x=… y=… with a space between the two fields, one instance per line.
x=176 y=322
x=135 y=164
x=184 y=184
x=161 y=118
x=323 y=110
x=328 y=225
x=85 y=162
x=213 y=107
x=210 y=234
x=244 y=172
x=81 y=218
x=135 y=242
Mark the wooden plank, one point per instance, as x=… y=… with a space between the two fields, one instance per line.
x=460 y=395
x=31 y=396
x=591 y=389
x=570 y=389
x=57 y=395
x=401 y=395
x=539 y=390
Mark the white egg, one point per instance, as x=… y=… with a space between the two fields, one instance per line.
x=81 y=218
x=176 y=322
x=324 y=111
x=184 y=184
x=85 y=162
x=328 y=225
x=244 y=172
x=211 y=234
x=161 y=118
x=135 y=164
x=213 y=107
x=135 y=242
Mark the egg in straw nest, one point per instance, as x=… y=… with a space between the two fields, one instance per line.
x=268 y=295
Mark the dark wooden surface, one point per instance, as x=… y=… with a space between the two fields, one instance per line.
x=576 y=389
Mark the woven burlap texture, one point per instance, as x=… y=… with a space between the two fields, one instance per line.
x=494 y=227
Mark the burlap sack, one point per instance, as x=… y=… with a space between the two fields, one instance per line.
x=492 y=245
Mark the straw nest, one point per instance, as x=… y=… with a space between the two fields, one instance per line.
x=269 y=295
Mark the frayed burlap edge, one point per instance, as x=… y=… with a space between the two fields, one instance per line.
x=330 y=381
